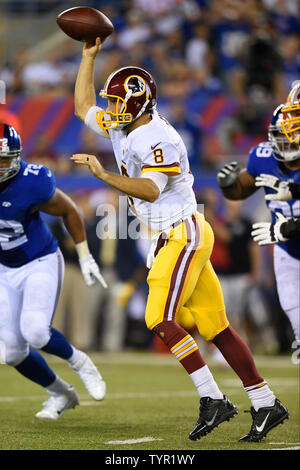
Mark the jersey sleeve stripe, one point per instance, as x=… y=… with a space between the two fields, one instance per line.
x=173 y=167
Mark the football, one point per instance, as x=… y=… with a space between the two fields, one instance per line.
x=85 y=24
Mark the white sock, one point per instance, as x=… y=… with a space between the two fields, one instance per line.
x=59 y=386
x=260 y=395
x=76 y=356
x=205 y=383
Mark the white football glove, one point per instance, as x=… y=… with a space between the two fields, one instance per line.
x=228 y=174
x=282 y=193
x=265 y=233
x=91 y=272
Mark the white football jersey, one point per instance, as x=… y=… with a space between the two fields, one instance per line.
x=155 y=146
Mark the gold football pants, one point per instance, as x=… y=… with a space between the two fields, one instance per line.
x=182 y=277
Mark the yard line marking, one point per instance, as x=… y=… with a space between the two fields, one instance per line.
x=97 y=403
x=13 y=399
x=135 y=441
x=287 y=448
x=113 y=396
x=162 y=394
x=161 y=360
x=89 y=403
x=286 y=443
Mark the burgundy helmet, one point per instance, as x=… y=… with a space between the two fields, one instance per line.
x=135 y=88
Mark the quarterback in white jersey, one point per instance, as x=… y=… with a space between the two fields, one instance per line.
x=147 y=152
x=156 y=178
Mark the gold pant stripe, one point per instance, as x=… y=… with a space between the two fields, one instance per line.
x=181 y=268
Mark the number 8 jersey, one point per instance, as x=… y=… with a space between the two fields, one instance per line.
x=261 y=160
x=24 y=236
x=153 y=147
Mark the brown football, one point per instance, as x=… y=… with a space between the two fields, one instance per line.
x=85 y=24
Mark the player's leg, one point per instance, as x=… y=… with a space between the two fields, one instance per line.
x=16 y=353
x=205 y=305
x=172 y=280
x=41 y=288
x=287 y=274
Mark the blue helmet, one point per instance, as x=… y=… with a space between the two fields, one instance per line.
x=10 y=149
x=283 y=149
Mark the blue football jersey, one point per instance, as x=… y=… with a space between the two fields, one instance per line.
x=261 y=160
x=24 y=236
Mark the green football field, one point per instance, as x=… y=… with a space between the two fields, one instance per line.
x=151 y=404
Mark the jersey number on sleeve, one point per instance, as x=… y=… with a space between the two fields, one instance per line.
x=158 y=156
x=32 y=168
x=264 y=150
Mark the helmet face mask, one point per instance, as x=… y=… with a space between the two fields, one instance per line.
x=117 y=118
x=283 y=149
x=133 y=91
x=10 y=152
x=290 y=125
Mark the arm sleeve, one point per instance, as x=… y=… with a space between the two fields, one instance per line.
x=93 y=120
x=291 y=228
x=164 y=158
x=295 y=190
x=159 y=178
x=251 y=164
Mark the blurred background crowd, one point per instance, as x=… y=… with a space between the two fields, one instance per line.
x=221 y=66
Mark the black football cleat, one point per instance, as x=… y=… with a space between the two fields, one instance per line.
x=265 y=419
x=212 y=413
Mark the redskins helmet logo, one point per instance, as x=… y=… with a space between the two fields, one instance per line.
x=136 y=84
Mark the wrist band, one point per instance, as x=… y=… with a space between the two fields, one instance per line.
x=291 y=228
x=82 y=249
x=295 y=190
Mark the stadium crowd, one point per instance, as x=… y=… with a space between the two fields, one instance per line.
x=196 y=49
x=244 y=50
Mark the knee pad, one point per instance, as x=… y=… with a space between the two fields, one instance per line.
x=35 y=328
x=12 y=351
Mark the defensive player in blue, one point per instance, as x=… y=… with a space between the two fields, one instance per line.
x=270 y=164
x=289 y=122
x=274 y=165
x=31 y=276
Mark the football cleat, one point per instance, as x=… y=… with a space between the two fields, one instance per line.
x=91 y=377
x=265 y=419
x=57 y=404
x=212 y=413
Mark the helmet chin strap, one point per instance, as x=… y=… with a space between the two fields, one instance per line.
x=148 y=91
x=127 y=97
x=123 y=124
x=141 y=111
